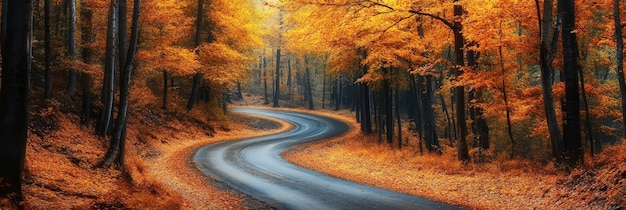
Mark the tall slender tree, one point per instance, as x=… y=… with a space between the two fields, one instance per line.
x=546 y=50
x=196 y=78
x=107 y=94
x=573 y=151
x=118 y=140
x=276 y=95
x=619 y=59
x=48 y=50
x=71 y=45
x=87 y=54
x=14 y=96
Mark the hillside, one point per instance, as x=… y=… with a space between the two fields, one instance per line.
x=62 y=156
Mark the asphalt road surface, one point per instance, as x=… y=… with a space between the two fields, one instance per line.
x=253 y=166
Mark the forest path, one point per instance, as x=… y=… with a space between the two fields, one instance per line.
x=254 y=166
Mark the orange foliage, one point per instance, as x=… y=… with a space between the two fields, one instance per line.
x=510 y=184
x=62 y=155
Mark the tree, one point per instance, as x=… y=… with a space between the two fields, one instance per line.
x=545 y=59
x=118 y=140
x=573 y=151
x=196 y=78
x=14 y=96
x=48 y=50
x=71 y=40
x=619 y=59
x=106 y=113
x=277 y=80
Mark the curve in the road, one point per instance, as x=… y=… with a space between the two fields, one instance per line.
x=253 y=166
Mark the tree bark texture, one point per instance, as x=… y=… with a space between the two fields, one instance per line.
x=547 y=78
x=619 y=43
x=107 y=95
x=276 y=95
x=459 y=45
x=116 y=148
x=14 y=95
x=573 y=151
x=71 y=41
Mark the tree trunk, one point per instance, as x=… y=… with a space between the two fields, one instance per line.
x=14 y=96
x=165 y=89
x=48 y=50
x=589 y=132
x=324 y=88
x=86 y=37
x=506 y=103
x=118 y=139
x=71 y=41
x=308 y=83
x=366 y=112
x=86 y=102
x=459 y=45
x=338 y=94
x=571 y=129
x=193 y=98
x=398 y=120
x=109 y=73
x=276 y=95
x=430 y=127
x=547 y=77
x=196 y=78
x=388 y=106
x=121 y=37
x=479 y=124
x=239 y=94
x=619 y=42
x=266 y=97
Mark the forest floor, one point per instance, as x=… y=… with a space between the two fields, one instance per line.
x=62 y=155
x=499 y=184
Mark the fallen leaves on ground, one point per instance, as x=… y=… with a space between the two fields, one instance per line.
x=62 y=155
x=507 y=184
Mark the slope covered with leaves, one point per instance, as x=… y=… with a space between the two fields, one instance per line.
x=507 y=184
x=62 y=156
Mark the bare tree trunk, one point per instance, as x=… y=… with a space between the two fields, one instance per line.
x=547 y=78
x=398 y=120
x=239 y=94
x=308 y=83
x=165 y=89
x=71 y=40
x=121 y=37
x=366 y=112
x=506 y=103
x=87 y=37
x=430 y=127
x=14 y=96
x=619 y=42
x=193 y=98
x=388 y=107
x=324 y=88
x=265 y=97
x=48 y=50
x=109 y=73
x=573 y=150
x=196 y=78
x=118 y=140
x=459 y=45
x=276 y=95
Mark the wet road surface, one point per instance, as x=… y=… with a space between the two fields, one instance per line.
x=253 y=166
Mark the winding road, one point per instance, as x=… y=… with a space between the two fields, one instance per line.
x=253 y=166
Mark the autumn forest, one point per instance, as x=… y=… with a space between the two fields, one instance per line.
x=491 y=104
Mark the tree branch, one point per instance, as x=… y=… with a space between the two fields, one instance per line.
x=442 y=20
